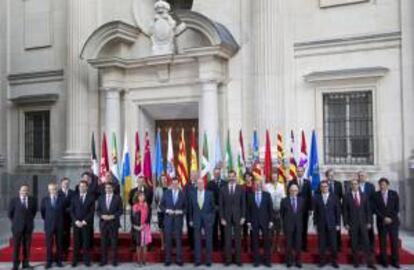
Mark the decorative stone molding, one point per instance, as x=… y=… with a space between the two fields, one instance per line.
x=335 y=3
x=36 y=77
x=346 y=74
x=28 y=100
x=115 y=30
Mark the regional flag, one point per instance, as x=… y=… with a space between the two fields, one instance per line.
x=292 y=160
x=114 y=155
x=205 y=164
x=313 y=172
x=194 y=161
x=170 y=157
x=280 y=159
x=104 y=163
x=126 y=171
x=147 y=161
x=159 y=162
x=229 y=154
x=182 y=168
x=137 y=162
x=94 y=158
x=268 y=158
x=241 y=160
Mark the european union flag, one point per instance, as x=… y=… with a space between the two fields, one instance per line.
x=159 y=164
x=313 y=172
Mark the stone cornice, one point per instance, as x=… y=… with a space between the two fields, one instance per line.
x=35 y=99
x=35 y=77
x=346 y=74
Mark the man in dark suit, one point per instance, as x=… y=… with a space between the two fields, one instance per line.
x=259 y=219
x=357 y=219
x=109 y=210
x=22 y=210
x=291 y=211
x=93 y=185
x=52 y=209
x=232 y=208
x=368 y=189
x=327 y=218
x=387 y=207
x=202 y=212
x=82 y=212
x=214 y=186
x=189 y=189
x=174 y=207
x=335 y=187
x=67 y=194
x=305 y=192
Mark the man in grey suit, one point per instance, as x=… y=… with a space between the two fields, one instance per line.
x=232 y=210
x=202 y=212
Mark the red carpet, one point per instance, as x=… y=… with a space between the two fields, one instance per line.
x=38 y=253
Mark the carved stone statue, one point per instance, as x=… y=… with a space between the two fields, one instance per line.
x=164 y=29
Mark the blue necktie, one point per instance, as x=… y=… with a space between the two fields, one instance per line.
x=258 y=199
x=174 y=197
x=294 y=204
x=53 y=201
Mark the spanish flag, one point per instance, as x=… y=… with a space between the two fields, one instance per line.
x=194 y=161
x=280 y=159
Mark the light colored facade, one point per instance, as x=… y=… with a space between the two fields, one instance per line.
x=240 y=64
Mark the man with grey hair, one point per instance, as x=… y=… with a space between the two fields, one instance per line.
x=368 y=189
x=189 y=188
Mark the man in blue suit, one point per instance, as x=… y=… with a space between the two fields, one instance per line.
x=327 y=219
x=52 y=209
x=174 y=207
x=202 y=213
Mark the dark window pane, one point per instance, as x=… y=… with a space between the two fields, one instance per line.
x=37 y=137
x=348 y=136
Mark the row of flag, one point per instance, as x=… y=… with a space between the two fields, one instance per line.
x=286 y=165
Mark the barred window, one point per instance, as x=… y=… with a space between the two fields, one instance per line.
x=348 y=135
x=37 y=137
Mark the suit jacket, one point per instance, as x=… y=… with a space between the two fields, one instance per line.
x=354 y=215
x=83 y=211
x=305 y=191
x=67 y=199
x=53 y=216
x=390 y=210
x=167 y=203
x=206 y=214
x=93 y=187
x=289 y=217
x=259 y=216
x=21 y=217
x=215 y=187
x=232 y=207
x=327 y=215
x=149 y=195
x=115 y=208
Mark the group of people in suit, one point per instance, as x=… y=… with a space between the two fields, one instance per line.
x=217 y=214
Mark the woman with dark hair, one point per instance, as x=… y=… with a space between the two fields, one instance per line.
x=141 y=228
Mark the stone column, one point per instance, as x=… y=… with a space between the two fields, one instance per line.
x=77 y=133
x=113 y=115
x=269 y=64
x=209 y=121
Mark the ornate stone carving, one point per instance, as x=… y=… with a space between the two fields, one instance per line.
x=164 y=29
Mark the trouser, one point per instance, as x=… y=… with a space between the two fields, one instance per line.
x=55 y=237
x=190 y=232
x=66 y=236
x=232 y=230
x=327 y=237
x=359 y=238
x=218 y=233
x=82 y=242
x=21 y=239
x=208 y=234
x=391 y=232
x=305 y=231
x=293 y=243
x=174 y=230
x=109 y=238
x=266 y=244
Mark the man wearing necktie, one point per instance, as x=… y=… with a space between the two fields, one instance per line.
x=174 y=207
x=22 y=210
x=52 y=210
x=202 y=212
x=232 y=209
x=215 y=185
x=109 y=210
x=291 y=211
x=82 y=211
x=67 y=194
x=327 y=218
x=386 y=207
x=259 y=215
x=335 y=187
x=189 y=189
x=368 y=189
x=357 y=219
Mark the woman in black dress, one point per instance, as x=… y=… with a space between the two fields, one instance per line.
x=141 y=229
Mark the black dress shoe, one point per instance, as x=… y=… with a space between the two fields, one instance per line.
x=321 y=264
x=335 y=265
x=88 y=264
x=227 y=264
x=15 y=268
x=48 y=265
x=356 y=265
x=197 y=264
x=288 y=265
x=268 y=264
x=180 y=263
x=208 y=264
x=115 y=264
x=395 y=265
x=239 y=264
x=74 y=264
x=371 y=266
x=255 y=264
x=299 y=265
x=167 y=264
x=59 y=264
x=102 y=264
x=27 y=266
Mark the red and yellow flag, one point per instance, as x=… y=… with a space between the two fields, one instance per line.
x=268 y=158
x=182 y=169
x=280 y=159
x=194 y=160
